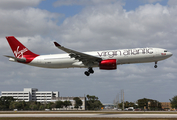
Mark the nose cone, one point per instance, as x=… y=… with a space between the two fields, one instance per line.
x=170 y=54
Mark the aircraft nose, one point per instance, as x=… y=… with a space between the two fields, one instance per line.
x=170 y=54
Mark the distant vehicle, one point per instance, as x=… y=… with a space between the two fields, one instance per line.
x=138 y=109
x=129 y=109
x=119 y=109
x=105 y=60
x=126 y=109
x=47 y=109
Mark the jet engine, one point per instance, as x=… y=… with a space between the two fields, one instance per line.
x=109 y=64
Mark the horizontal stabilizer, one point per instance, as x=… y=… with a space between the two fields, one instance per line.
x=16 y=59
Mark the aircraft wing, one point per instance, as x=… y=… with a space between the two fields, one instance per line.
x=85 y=58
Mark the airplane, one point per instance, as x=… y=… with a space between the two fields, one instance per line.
x=105 y=60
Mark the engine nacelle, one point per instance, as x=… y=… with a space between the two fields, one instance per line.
x=109 y=64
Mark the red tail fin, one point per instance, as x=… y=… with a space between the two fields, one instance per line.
x=19 y=50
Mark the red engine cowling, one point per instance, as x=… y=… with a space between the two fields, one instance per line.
x=109 y=64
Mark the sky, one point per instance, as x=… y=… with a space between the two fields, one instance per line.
x=91 y=25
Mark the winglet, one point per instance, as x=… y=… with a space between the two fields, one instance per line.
x=57 y=45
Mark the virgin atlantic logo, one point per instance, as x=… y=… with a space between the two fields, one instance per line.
x=19 y=53
x=126 y=52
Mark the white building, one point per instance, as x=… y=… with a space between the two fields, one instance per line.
x=31 y=94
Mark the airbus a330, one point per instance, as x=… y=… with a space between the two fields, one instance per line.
x=105 y=60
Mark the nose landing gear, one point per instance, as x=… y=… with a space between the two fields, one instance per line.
x=155 y=66
x=90 y=70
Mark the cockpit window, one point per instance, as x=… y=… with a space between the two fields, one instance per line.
x=165 y=50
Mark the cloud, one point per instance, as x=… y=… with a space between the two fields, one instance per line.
x=172 y=2
x=18 y=4
x=151 y=1
x=27 y=22
x=149 y=25
x=81 y=2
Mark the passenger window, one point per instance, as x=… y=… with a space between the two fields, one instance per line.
x=165 y=50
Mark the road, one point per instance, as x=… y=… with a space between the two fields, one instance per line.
x=94 y=115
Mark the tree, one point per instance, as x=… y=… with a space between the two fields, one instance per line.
x=53 y=105
x=12 y=105
x=142 y=103
x=149 y=104
x=78 y=102
x=67 y=103
x=20 y=105
x=5 y=102
x=93 y=103
x=42 y=107
x=120 y=105
x=155 y=105
x=174 y=102
x=127 y=104
x=59 y=104
x=23 y=104
x=33 y=105
x=50 y=105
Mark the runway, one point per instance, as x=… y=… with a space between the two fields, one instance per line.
x=94 y=115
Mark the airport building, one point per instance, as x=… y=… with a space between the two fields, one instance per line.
x=31 y=94
x=83 y=99
x=166 y=105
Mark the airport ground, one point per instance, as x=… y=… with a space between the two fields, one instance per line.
x=87 y=119
x=88 y=115
x=88 y=112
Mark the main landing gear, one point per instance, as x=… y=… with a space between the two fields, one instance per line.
x=90 y=70
x=155 y=66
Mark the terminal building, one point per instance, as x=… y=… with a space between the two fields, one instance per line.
x=31 y=94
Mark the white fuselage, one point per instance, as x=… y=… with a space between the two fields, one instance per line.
x=125 y=56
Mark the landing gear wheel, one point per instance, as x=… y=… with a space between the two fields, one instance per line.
x=91 y=70
x=87 y=73
x=155 y=66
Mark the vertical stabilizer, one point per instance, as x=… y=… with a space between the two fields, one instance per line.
x=19 y=50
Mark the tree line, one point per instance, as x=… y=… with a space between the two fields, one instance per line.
x=143 y=104
x=92 y=103
x=174 y=102
x=148 y=104
x=9 y=103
